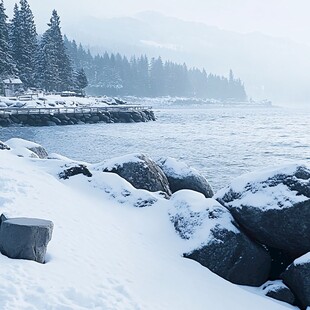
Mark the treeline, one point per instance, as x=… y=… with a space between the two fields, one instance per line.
x=40 y=63
x=114 y=74
x=54 y=63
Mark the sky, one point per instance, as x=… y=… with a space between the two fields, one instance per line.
x=284 y=18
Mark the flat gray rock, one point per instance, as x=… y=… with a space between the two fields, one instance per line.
x=25 y=238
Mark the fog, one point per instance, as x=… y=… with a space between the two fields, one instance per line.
x=266 y=43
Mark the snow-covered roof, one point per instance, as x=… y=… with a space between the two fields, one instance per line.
x=12 y=81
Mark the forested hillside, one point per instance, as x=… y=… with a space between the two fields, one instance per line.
x=53 y=63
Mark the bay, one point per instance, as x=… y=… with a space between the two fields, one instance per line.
x=220 y=142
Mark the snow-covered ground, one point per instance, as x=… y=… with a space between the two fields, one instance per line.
x=105 y=253
x=55 y=101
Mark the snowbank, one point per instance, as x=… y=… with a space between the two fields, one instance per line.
x=105 y=253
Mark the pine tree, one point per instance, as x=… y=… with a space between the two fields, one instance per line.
x=81 y=81
x=7 y=66
x=55 y=69
x=157 y=84
x=23 y=37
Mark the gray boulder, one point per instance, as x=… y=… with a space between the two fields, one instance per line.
x=215 y=241
x=3 y=146
x=297 y=278
x=40 y=151
x=139 y=170
x=279 y=291
x=273 y=206
x=181 y=176
x=25 y=238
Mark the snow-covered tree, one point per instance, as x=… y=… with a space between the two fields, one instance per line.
x=23 y=37
x=55 y=70
x=7 y=65
x=80 y=79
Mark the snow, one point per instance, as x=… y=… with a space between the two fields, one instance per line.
x=192 y=212
x=117 y=162
x=104 y=253
x=272 y=286
x=55 y=101
x=261 y=195
x=12 y=81
x=305 y=259
x=21 y=147
x=175 y=168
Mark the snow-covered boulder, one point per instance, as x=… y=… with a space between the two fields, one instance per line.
x=25 y=238
x=297 y=277
x=3 y=146
x=278 y=290
x=181 y=176
x=75 y=170
x=215 y=241
x=22 y=146
x=273 y=206
x=139 y=170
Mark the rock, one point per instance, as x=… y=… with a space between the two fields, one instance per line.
x=3 y=146
x=56 y=120
x=279 y=291
x=25 y=238
x=273 y=206
x=139 y=170
x=95 y=118
x=21 y=145
x=75 y=170
x=181 y=176
x=40 y=151
x=3 y=218
x=50 y=123
x=215 y=240
x=297 y=278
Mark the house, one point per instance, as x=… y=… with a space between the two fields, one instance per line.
x=12 y=86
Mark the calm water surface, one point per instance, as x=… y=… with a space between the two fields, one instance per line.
x=222 y=143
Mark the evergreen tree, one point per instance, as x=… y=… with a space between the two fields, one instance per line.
x=81 y=81
x=114 y=75
x=55 y=69
x=23 y=37
x=7 y=66
x=157 y=80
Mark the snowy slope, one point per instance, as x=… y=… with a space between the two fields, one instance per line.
x=104 y=254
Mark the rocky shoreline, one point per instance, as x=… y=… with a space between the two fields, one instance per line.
x=253 y=232
x=11 y=120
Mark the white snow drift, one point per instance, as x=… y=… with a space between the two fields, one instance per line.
x=105 y=253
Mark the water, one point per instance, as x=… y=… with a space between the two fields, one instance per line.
x=222 y=143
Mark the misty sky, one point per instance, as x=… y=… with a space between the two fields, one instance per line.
x=285 y=18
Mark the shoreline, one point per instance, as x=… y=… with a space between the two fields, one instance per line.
x=13 y=117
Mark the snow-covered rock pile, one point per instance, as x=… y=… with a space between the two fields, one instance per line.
x=116 y=246
x=215 y=240
x=69 y=111
x=273 y=208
